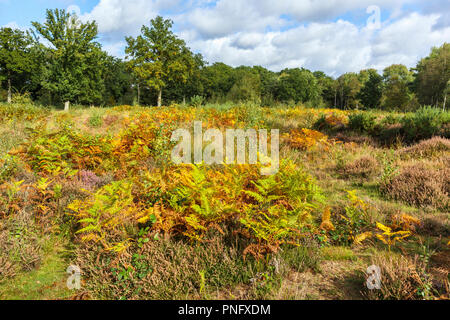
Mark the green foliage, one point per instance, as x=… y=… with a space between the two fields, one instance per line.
x=65 y=151
x=96 y=120
x=346 y=90
x=363 y=122
x=73 y=69
x=389 y=167
x=432 y=81
x=197 y=101
x=158 y=56
x=269 y=210
x=354 y=222
x=298 y=85
x=107 y=209
x=425 y=123
x=23 y=99
x=372 y=91
x=8 y=167
x=21 y=112
x=397 y=79
x=247 y=86
x=15 y=58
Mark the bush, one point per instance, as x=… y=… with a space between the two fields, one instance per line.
x=167 y=269
x=365 y=167
x=419 y=186
x=21 y=112
x=96 y=120
x=426 y=149
x=425 y=123
x=197 y=101
x=22 y=98
x=363 y=122
x=64 y=151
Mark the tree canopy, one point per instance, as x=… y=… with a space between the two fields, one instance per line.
x=158 y=56
x=60 y=60
x=74 y=61
x=14 y=55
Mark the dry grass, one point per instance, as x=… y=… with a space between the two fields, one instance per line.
x=402 y=278
x=420 y=186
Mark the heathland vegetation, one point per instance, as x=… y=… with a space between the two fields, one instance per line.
x=363 y=178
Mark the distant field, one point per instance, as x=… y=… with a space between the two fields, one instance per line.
x=96 y=188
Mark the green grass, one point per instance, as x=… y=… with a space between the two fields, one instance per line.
x=48 y=282
x=338 y=254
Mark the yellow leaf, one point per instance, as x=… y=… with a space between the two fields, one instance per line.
x=384 y=228
x=326 y=224
x=361 y=237
x=380 y=237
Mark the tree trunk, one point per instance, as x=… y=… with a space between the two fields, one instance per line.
x=138 y=94
x=160 y=98
x=66 y=106
x=184 y=100
x=445 y=101
x=9 y=90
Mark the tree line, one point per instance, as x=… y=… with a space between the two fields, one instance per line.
x=60 y=61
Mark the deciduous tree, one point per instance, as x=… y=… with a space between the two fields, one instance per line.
x=15 y=57
x=433 y=75
x=158 y=56
x=74 y=61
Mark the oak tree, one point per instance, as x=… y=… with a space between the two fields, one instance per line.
x=158 y=56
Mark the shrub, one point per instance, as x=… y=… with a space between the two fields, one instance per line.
x=166 y=269
x=141 y=139
x=390 y=134
x=425 y=123
x=197 y=101
x=436 y=225
x=363 y=122
x=306 y=139
x=20 y=245
x=365 y=167
x=21 y=112
x=269 y=210
x=426 y=149
x=95 y=121
x=106 y=214
x=420 y=186
x=65 y=151
x=352 y=220
x=331 y=121
x=22 y=98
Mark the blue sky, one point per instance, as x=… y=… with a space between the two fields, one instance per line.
x=335 y=36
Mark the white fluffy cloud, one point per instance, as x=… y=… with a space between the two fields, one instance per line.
x=335 y=47
x=117 y=18
x=319 y=35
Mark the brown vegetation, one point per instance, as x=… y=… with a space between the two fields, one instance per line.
x=420 y=186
